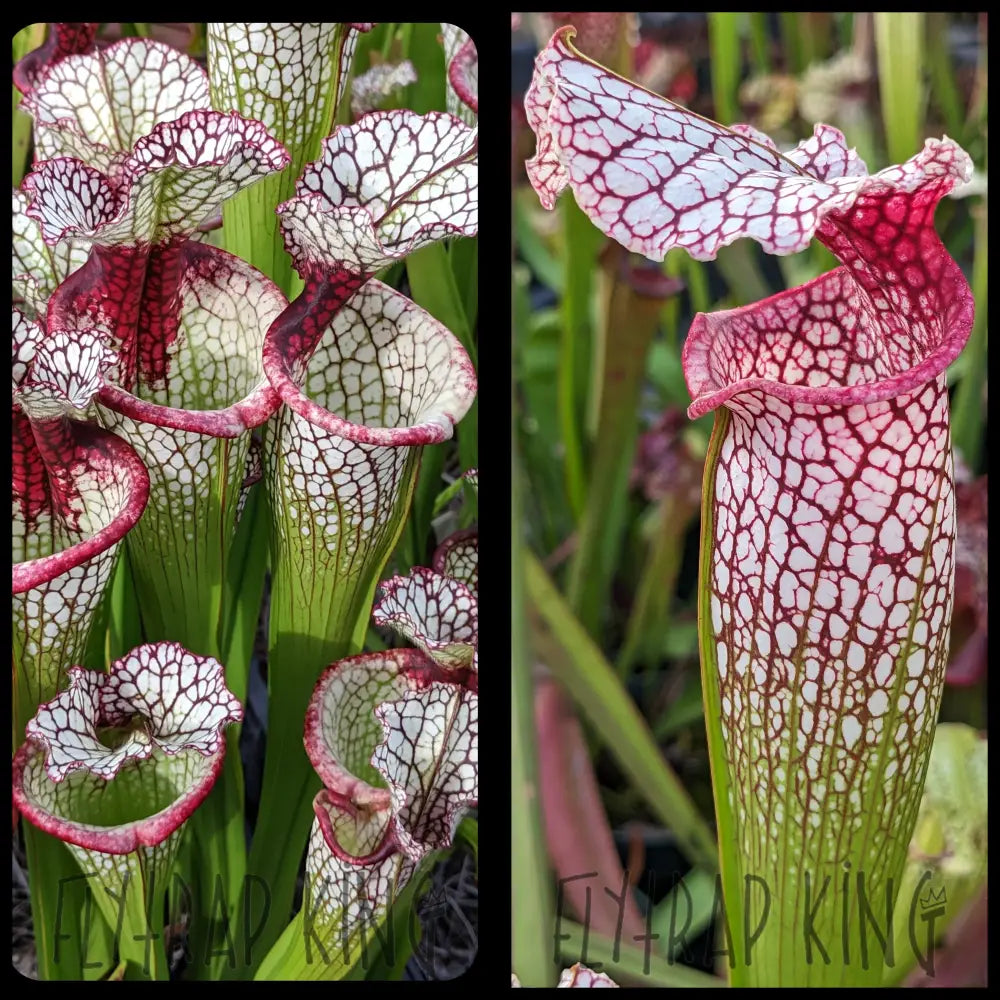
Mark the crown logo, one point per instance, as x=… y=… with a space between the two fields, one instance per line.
x=933 y=899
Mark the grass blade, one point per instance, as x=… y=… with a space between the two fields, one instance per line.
x=593 y=683
x=626 y=965
x=899 y=42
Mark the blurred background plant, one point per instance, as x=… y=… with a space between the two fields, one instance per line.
x=608 y=468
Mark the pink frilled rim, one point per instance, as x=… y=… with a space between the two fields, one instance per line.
x=102 y=450
x=652 y=175
x=389 y=184
x=251 y=411
x=360 y=683
x=371 y=714
x=330 y=807
x=183 y=704
x=258 y=405
x=125 y=839
x=439 y=380
x=890 y=321
x=463 y=74
x=458 y=557
x=65 y=38
x=439 y=614
x=56 y=458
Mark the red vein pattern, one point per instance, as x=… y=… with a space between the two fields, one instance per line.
x=134 y=161
x=65 y=38
x=285 y=75
x=36 y=268
x=77 y=490
x=168 y=709
x=458 y=557
x=462 y=61
x=385 y=186
x=429 y=756
x=368 y=377
x=291 y=77
x=349 y=890
x=253 y=473
x=385 y=379
x=186 y=320
x=652 y=175
x=95 y=107
x=831 y=502
x=438 y=614
x=396 y=745
x=193 y=433
x=181 y=699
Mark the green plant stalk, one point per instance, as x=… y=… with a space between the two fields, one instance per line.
x=594 y=685
x=651 y=607
x=413 y=547
x=633 y=965
x=464 y=258
x=545 y=265
x=421 y=46
x=630 y=321
x=581 y=241
x=468 y=833
x=531 y=890
x=26 y=40
x=245 y=584
x=816 y=28
x=98 y=959
x=468 y=452
x=180 y=563
x=791 y=37
x=179 y=559
x=532 y=912
x=220 y=859
x=943 y=84
x=844 y=22
x=137 y=919
x=688 y=907
x=725 y=823
x=434 y=287
x=739 y=264
x=726 y=63
x=319 y=614
x=968 y=409
x=440 y=283
x=144 y=920
x=20 y=140
x=760 y=43
x=58 y=895
x=697 y=283
x=125 y=623
x=250 y=225
x=309 y=950
x=899 y=43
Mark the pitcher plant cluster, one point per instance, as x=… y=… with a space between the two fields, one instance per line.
x=827 y=559
x=188 y=417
